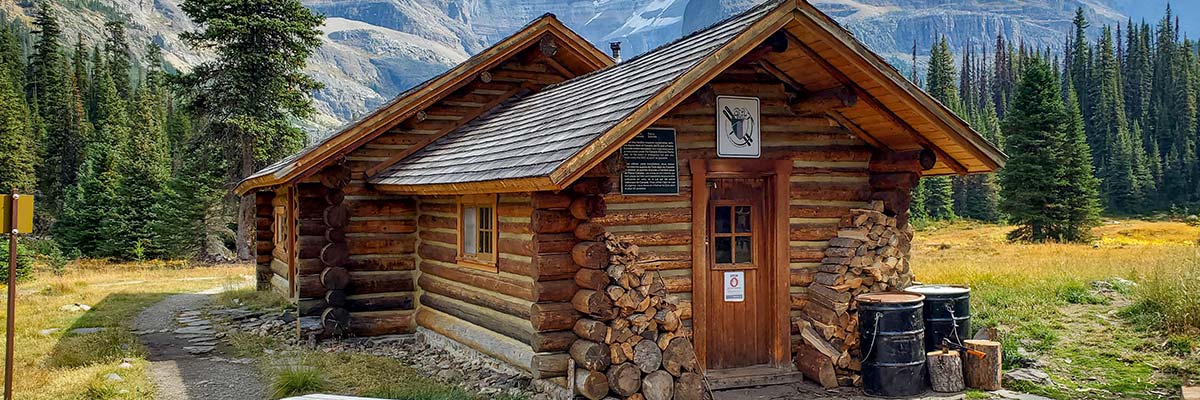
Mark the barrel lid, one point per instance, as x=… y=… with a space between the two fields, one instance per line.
x=891 y=297
x=938 y=289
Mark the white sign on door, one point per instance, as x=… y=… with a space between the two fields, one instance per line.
x=739 y=127
x=735 y=287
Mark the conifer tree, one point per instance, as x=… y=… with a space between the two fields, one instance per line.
x=255 y=86
x=941 y=83
x=17 y=149
x=1047 y=187
x=117 y=56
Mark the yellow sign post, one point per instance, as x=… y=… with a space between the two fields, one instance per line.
x=18 y=218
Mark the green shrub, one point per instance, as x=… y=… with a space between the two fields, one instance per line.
x=25 y=261
x=297 y=381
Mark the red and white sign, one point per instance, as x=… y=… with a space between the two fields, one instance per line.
x=735 y=287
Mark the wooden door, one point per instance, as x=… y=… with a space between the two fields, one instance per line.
x=738 y=327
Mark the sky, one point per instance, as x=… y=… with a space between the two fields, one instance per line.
x=1152 y=11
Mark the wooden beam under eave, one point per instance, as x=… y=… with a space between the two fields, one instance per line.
x=857 y=130
x=875 y=105
x=825 y=101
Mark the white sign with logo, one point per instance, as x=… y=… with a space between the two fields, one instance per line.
x=739 y=133
x=735 y=286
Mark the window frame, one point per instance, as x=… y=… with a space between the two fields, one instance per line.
x=280 y=226
x=473 y=261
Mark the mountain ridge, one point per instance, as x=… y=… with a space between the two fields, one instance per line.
x=374 y=49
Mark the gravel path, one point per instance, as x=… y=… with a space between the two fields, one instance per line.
x=186 y=358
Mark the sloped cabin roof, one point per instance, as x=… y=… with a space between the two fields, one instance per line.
x=546 y=140
x=583 y=56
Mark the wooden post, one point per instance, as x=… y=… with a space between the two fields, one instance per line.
x=12 y=294
x=945 y=371
x=983 y=373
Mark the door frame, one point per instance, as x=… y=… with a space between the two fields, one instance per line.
x=777 y=265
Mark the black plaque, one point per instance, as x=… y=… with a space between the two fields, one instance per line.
x=651 y=164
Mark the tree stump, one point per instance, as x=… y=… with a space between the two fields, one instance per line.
x=816 y=367
x=983 y=373
x=679 y=357
x=945 y=371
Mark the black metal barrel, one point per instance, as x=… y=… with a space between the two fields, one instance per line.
x=892 y=328
x=947 y=313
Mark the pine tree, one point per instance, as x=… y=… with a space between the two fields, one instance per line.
x=941 y=83
x=1109 y=139
x=50 y=90
x=91 y=220
x=17 y=152
x=248 y=94
x=117 y=56
x=1047 y=187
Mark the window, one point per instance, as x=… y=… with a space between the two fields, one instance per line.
x=280 y=226
x=733 y=239
x=477 y=234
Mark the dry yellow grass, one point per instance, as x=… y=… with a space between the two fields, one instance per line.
x=1041 y=299
x=59 y=365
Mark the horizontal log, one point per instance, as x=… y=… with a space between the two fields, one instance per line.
x=594 y=279
x=825 y=101
x=656 y=238
x=480 y=339
x=484 y=280
x=382 y=245
x=547 y=317
x=552 y=342
x=551 y=201
x=309 y=285
x=553 y=221
x=367 y=282
x=390 y=226
x=505 y=304
x=378 y=323
x=380 y=302
x=554 y=242
x=554 y=266
x=504 y=324
x=648 y=216
x=280 y=285
x=554 y=291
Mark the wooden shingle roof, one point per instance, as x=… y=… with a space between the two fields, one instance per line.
x=548 y=139
x=410 y=102
x=533 y=136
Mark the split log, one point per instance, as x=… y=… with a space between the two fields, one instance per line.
x=679 y=357
x=591 y=255
x=590 y=355
x=647 y=356
x=590 y=329
x=552 y=342
x=589 y=231
x=594 y=303
x=591 y=384
x=658 y=385
x=691 y=387
x=816 y=367
x=983 y=373
x=945 y=371
x=624 y=379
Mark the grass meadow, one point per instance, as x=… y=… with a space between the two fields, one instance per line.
x=1116 y=318
x=53 y=364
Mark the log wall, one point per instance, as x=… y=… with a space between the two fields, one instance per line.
x=830 y=177
x=280 y=251
x=521 y=304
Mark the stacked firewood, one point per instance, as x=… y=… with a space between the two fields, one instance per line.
x=869 y=255
x=632 y=343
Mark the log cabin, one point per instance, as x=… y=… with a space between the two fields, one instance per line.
x=760 y=170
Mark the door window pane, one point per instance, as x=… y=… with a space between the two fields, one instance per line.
x=723 y=220
x=742 y=219
x=743 y=251
x=724 y=249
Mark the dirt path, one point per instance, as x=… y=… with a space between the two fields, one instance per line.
x=187 y=359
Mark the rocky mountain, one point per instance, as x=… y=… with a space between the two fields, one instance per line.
x=376 y=48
